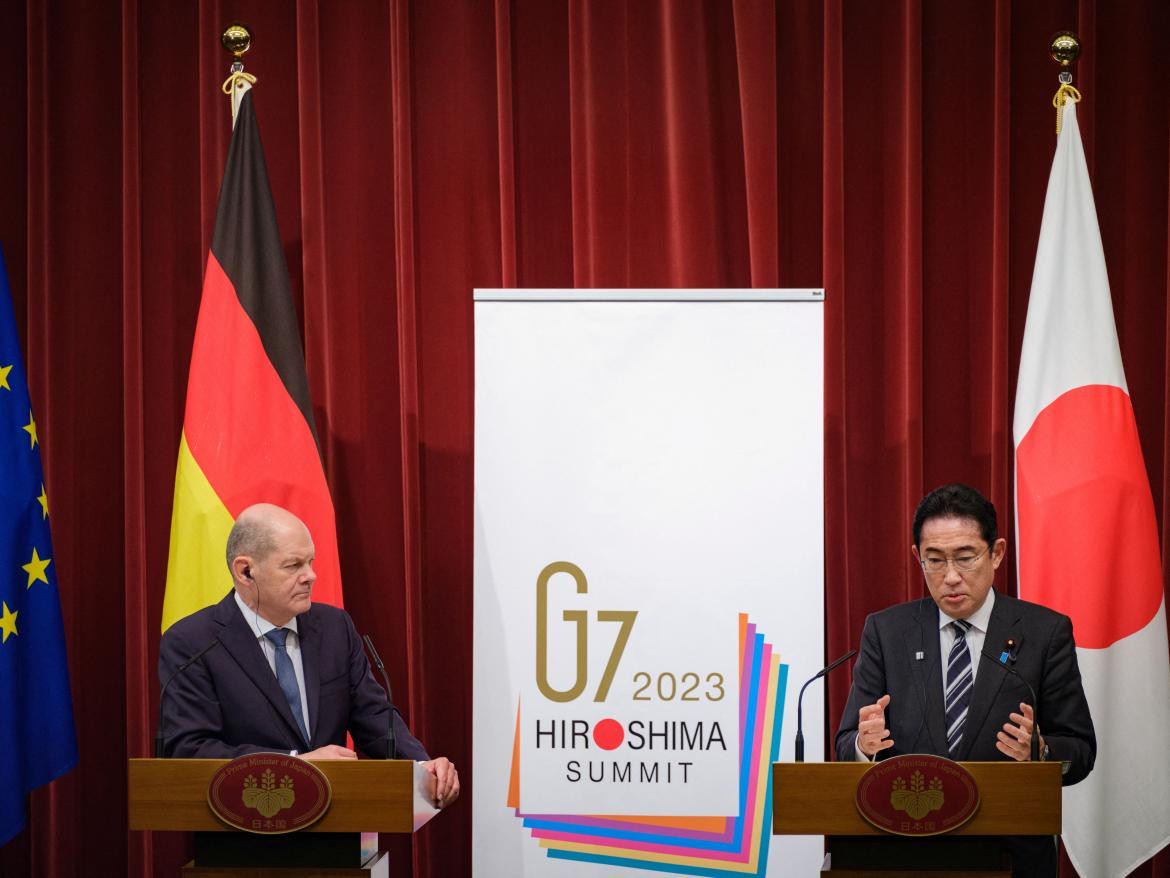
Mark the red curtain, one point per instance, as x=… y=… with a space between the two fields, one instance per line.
x=895 y=153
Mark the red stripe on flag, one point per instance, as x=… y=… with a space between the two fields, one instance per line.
x=1087 y=532
x=245 y=431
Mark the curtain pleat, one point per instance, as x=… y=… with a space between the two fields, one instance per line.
x=407 y=427
x=755 y=62
x=999 y=387
x=894 y=153
x=505 y=125
x=839 y=562
x=139 y=678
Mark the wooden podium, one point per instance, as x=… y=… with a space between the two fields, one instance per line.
x=817 y=798
x=368 y=796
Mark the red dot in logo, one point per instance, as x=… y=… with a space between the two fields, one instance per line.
x=608 y=734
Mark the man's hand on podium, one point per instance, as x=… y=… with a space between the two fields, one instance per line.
x=444 y=777
x=330 y=751
x=445 y=789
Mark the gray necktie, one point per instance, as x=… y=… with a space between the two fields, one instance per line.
x=287 y=678
x=959 y=683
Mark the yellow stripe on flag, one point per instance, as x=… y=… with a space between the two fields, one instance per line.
x=197 y=572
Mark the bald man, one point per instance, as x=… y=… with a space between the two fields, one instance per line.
x=279 y=673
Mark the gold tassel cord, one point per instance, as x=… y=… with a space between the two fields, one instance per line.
x=1064 y=94
x=229 y=84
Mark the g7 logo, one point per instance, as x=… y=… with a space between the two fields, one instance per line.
x=580 y=618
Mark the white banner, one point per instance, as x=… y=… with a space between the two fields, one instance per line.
x=648 y=575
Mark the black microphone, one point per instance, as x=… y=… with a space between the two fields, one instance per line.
x=158 y=735
x=391 y=744
x=800 y=702
x=1002 y=662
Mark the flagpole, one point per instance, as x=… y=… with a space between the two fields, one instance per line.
x=237 y=39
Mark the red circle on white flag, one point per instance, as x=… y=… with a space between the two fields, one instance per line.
x=1087 y=531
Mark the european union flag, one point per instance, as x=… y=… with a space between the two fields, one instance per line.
x=37 y=741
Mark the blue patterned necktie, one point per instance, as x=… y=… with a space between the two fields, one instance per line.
x=287 y=678
x=959 y=683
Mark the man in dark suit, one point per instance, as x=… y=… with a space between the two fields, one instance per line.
x=279 y=673
x=923 y=682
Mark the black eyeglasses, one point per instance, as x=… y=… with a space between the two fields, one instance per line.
x=963 y=563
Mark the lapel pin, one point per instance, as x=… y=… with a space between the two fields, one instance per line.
x=919 y=656
x=1010 y=647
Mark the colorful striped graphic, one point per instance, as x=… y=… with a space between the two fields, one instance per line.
x=733 y=845
x=248 y=432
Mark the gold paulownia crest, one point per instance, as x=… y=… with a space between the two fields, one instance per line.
x=919 y=800
x=265 y=796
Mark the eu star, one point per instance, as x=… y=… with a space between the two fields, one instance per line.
x=8 y=623
x=43 y=499
x=36 y=569
x=4 y=370
x=31 y=429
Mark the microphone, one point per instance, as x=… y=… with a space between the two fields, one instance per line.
x=158 y=736
x=1002 y=661
x=391 y=744
x=800 y=701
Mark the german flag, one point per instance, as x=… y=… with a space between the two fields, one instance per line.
x=248 y=432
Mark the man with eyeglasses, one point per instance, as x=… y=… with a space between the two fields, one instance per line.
x=923 y=682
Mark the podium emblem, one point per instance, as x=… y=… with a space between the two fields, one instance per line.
x=265 y=796
x=269 y=793
x=920 y=799
x=917 y=794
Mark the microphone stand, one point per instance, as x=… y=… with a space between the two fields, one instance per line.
x=158 y=735
x=1035 y=742
x=391 y=743
x=800 y=702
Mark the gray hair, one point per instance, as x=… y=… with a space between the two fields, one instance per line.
x=251 y=535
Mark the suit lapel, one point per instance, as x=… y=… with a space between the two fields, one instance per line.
x=240 y=641
x=927 y=671
x=1004 y=621
x=310 y=637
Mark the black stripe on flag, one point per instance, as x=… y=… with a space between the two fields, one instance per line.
x=246 y=242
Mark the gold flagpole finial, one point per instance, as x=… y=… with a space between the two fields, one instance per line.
x=1065 y=48
x=237 y=39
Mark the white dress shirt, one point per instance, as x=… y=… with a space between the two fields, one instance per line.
x=979 y=621
x=292 y=645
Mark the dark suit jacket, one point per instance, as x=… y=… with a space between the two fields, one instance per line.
x=1046 y=657
x=228 y=702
